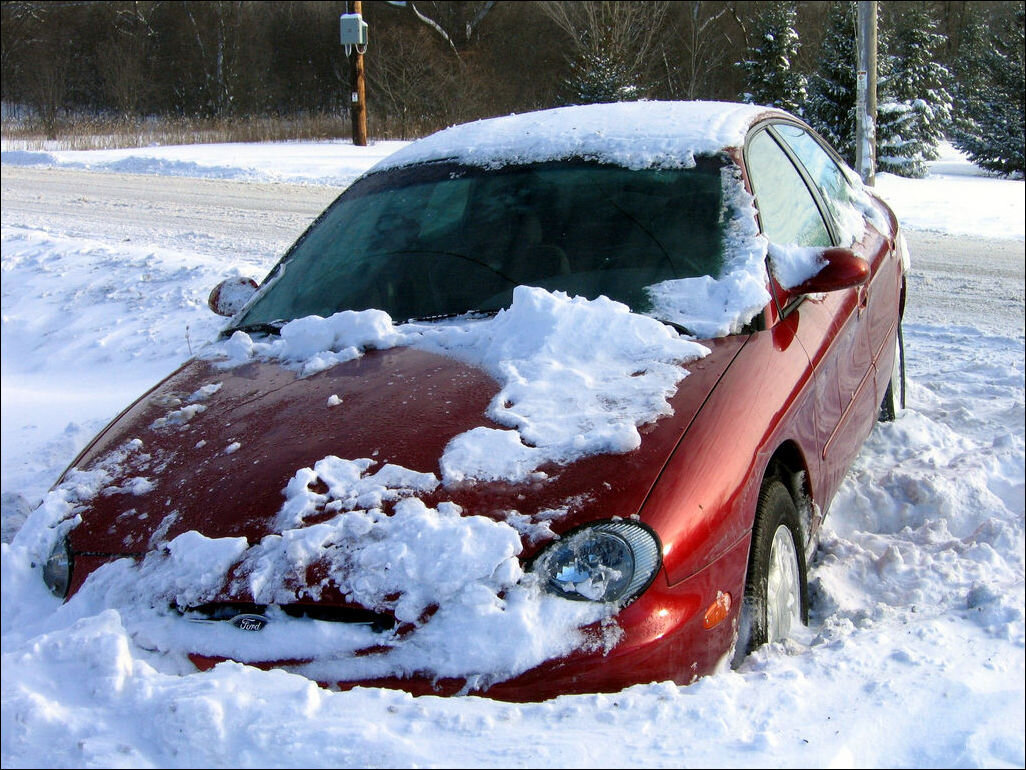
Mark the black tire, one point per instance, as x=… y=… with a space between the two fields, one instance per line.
x=894 y=398
x=759 y=623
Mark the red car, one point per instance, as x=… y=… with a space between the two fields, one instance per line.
x=544 y=404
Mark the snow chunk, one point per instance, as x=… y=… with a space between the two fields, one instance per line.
x=452 y=581
x=178 y=416
x=794 y=265
x=578 y=378
x=349 y=487
x=313 y=344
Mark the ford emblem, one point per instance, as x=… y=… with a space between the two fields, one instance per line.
x=249 y=622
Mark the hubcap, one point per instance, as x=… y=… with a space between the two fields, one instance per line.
x=783 y=587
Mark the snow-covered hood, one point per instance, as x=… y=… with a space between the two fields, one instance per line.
x=237 y=452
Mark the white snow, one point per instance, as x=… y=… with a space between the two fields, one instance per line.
x=915 y=651
x=630 y=134
x=793 y=265
x=329 y=163
x=959 y=200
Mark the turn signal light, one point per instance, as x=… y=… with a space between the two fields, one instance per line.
x=717 y=611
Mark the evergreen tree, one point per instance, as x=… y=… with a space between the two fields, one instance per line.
x=992 y=131
x=832 y=88
x=914 y=107
x=770 y=74
x=599 y=76
x=970 y=73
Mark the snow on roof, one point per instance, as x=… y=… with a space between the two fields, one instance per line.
x=631 y=134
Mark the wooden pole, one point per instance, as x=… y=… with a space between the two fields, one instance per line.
x=358 y=106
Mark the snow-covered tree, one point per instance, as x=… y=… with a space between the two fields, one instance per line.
x=831 y=108
x=914 y=105
x=598 y=76
x=991 y=123
x=970 y=72
x=769 y=65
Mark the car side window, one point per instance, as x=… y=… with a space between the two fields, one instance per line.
x=829 y=178
x=787 y=209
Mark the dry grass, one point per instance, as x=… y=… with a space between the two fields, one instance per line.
x=100 y=133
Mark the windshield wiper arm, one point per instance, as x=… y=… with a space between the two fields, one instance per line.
x=678 y=327
x=443 y=316
x=264 y=327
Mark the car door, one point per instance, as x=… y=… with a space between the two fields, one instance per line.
x=830 y=327
x=873 y=241
x=871 y=234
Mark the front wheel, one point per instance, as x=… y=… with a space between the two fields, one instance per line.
x=775 y=598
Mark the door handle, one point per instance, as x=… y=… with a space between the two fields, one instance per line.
x=863 y=298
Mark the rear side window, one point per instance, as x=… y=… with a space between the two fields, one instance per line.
x=831 y=181
x=787 y=210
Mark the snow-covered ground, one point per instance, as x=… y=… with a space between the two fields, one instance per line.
x=915 y=651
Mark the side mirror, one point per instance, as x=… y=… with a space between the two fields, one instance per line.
x=844 y=269
x=231 y=295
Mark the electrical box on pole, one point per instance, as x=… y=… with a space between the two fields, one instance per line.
x=352 y=31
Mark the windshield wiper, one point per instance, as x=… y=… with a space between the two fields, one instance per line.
x=469 y=314
x=678 y=327
x=264 y=327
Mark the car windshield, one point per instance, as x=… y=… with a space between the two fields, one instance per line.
x=439 y=240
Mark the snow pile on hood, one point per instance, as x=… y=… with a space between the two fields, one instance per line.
x=452 y=582
x=313 y=344
x=578 y=376
x=630 y=134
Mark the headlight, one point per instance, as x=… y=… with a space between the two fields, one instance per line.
x=57 y=570
x=611 y=561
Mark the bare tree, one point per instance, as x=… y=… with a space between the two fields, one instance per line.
x=121 y=59
x=215 y=33
x=453 y=22
x=404 y=79
x=701 y=51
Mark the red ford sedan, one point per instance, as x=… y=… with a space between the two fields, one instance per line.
x=551 y=403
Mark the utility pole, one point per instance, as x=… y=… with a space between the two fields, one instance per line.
x=358 y=105
x=865 y=95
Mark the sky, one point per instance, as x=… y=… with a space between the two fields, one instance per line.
x=914 y=655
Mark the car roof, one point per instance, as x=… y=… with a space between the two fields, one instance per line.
x=640 y=134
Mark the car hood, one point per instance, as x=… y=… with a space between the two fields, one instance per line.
x=212 y=449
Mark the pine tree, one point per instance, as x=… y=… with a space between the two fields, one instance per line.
x=770 y=74
x=992 y=131
x=914 y=108
x=598 y=76
x=832 y=88
x=970 y=74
